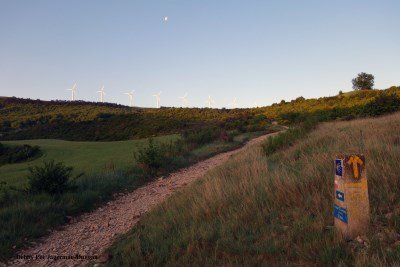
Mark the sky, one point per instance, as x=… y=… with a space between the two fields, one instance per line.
x=259 y=52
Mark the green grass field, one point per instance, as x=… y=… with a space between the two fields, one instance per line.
x=85 y=157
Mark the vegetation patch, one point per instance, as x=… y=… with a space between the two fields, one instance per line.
x=52 y=194
x=276 y=210
x=161 y=158
x=16 y=154
x=51 y=178
x=87 y=121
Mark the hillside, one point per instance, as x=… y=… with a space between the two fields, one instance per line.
x=348 y=105
x=277 y=209
x=88 y=121
x=80 y=121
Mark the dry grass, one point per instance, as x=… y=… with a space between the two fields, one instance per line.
x=258 y=210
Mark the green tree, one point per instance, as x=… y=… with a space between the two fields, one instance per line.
x=364 y=81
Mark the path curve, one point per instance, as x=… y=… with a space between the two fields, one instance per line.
x=91 y=233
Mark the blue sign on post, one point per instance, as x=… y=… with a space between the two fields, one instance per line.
x=340 y=213
x=339 y=167
x=340 y=195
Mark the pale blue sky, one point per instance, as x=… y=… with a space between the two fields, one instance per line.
x=261 y=51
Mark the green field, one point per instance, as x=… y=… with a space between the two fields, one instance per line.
x=85 y=157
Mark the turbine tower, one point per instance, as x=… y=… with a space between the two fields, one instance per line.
x=102 y=94
x=130 y=94
x=234 y=103
x=73 y=91
x=210 y=101
x=184 y=100
x=157 y=96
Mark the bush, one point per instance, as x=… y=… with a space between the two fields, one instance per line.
x=52 y=178
x=22 y=153
x=15 y=154
x=225 y=136
x=4 y=193
x=150 y=156
x=201 y=136
x=158 y=157
x=382 y=104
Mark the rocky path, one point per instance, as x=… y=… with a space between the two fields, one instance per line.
x=88 y=235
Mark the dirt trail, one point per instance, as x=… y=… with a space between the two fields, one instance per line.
x=91 y=233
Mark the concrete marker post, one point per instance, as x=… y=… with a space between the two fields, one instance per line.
x=351 y=207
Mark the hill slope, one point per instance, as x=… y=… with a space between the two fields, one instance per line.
x=88 y=121
x=275 y=210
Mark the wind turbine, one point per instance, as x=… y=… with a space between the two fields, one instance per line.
x=184 y=100
x=73 y=91
x=210 y=101
x=130 y=94
x=157 y=96
x=102 y=94
x=234 y=103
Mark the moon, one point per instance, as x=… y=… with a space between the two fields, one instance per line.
x=165 y=19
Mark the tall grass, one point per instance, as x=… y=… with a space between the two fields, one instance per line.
x=277 y=210
x=287 y=138
x=26 y=216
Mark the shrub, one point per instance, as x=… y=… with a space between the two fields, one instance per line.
x=382 y=104
x=15 y=154
x=201 y=136
x=225 y=136
x=161 y=158
x=22 y=153
x=4 y=194
x=157 y=157
x=2 y=149
x=52 y=178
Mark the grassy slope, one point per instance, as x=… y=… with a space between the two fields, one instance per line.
x=351 y=102
x=274 y=210
x=83 y=156
x=25 y=217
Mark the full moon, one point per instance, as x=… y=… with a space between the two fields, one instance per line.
x=165 y=18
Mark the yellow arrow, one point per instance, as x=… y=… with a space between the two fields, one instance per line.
x=355 y=160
